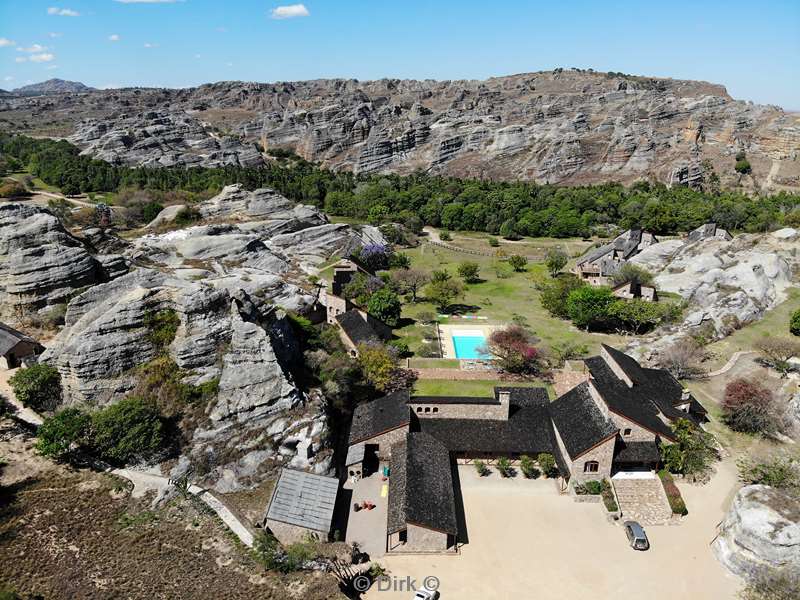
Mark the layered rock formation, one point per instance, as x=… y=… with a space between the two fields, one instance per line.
x=761 y=530
x=41 y=264
x=561 y=126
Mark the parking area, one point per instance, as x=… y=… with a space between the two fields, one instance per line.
x=368 y=527
x=527 y=541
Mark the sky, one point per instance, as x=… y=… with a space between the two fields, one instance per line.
x=753 y=48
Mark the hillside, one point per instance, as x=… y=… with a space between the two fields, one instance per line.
x=52 y=86
x=563 y=126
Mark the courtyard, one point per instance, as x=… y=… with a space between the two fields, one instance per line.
x=523 y=535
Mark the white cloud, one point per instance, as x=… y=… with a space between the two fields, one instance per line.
x=290 y=11
x=44 y=57
x=6 y=42
x=21 y=59
x=33 y=48
x=148 y=1
x=8 y=78
x=54 y=34
x=63 y=12
x=149 y=45
x=114 y=37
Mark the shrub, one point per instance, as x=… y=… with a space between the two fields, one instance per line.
x=568 y=350
x=608 y=496
x=683 y=359
x=588 y=306
x=632 y=273
x=555 y=260
x=555 y=294
x=749 y=407
x=385 y=305
x=504 y=467
x=778 y=471
x=151 y=210
x=776 y=351
x=481 y=468
x=743 y=166
x=37 y=387
x=13 y=189
x=267 y=550
x=60 y=433
x=773 y=584
x=445 y=236
x=398 y=260
x=693 y=451
x=794 y=323
x=187 y=216
x=129 y=430
x=517 y=262
x=162 y=327
x=469 y=272
x=444 y=293
x=493 y=242
x=674 y=497
x=528 y=467
x=547 y=463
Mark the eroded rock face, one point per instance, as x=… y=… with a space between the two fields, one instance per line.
x=762 y=529
x=162 y=139
x=560 y=126
x=41 y=264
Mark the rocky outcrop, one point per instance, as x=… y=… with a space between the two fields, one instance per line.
x=761 y=530
x=562 y=126
x=41 y=264
x=162 y=139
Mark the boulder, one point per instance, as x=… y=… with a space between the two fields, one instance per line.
x=166 y=216
x=761 y=529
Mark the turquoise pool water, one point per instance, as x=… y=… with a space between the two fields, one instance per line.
x=467 y=346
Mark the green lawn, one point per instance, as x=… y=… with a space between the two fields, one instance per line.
x=38 y=184
x=478 y=387
x=435 y=363
x=775 y=322
x=473 y=240
x=503 y=296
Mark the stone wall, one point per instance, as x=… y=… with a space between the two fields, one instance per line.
x=494 y=410
x=336 y=306
x=638 y=433
x=290 y=534
x=422 y=539
x=385 y=441
x=603 y=454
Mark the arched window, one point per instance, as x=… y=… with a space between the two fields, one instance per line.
x=590 y=466
x=427 y=409
x=436 y=409
x=419 y=409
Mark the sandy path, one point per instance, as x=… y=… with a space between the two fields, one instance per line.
x=528 y=542
x=26 y=414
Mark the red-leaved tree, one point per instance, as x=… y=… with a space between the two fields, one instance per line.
x=750 y=407
x=514 y=351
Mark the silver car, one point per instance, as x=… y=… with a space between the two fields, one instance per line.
x=637 y=538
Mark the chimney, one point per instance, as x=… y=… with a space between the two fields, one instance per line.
x=504 y=396
x=685 y=395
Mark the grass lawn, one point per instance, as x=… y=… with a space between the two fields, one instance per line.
x=503 y=296
x=477 y=387
x=775 y=322
x=530 y=247
x=38 y=184
x=435 y=363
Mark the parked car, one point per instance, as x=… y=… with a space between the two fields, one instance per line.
x=637 y=538
x=426 y=594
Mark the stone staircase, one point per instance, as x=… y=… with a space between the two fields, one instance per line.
x=642 y=499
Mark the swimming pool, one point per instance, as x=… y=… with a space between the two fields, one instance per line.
x=468 y=346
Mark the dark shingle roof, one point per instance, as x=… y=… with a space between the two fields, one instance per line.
x=356 y=327
x=421 y=485
x=636 y=452
x=527 y=430
x=654 y=391
x=378 y=416
x=579 y=421
x=10 y=337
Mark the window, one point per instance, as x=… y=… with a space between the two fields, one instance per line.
x=419 y=409
x=427 y=409
x=436 y=409
x=590 y=466
x=627 y=431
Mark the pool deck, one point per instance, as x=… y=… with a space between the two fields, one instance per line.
x=447 y=331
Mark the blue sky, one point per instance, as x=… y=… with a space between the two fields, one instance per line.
x=753 y=48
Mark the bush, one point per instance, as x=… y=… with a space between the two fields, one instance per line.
x=62 y=432
x=481 y=468
x=469 y=272
x=187 y=216
x=385 y=305
x=13 y=189
x=588 y=306
x=749 y=407
x=630 y=272
x=773 y=584
x=493 y=242
x=445 y=236
x=778 y=471
x=517 y=262
x=504 y=467
x=547 y=463
x=555 y=294
x=794 y=323
x=555 y=260
x=743 y=166
x=528 y=467
x=776 y=351
x=151 y=210
x=674 y=497
x=132 y=429
x=693 y=451
x=162 y=327
x=683 y=359
x=37 y=387
x=608 y=496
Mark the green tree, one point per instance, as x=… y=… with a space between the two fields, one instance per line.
x=129 y=430
x=588 y=306
x=385 y=305
x=632 y=273
x=693 y=451
x=636 y=315
x=794 y=323
x=38 y=387
x=554 y=294
x=410 y=281
x=377 y=364
x=509 y=230
x=555 y=260
x=547 y=463
x=743 y=167
x=517 y=262
x=444 y=293
x=469 y=272
x=59 y=433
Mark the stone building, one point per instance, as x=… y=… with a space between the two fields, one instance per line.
x=15 y=347
x=599 y=266
x=612 y=422
x=633 y=290
x=709 y=230
x=301 y=506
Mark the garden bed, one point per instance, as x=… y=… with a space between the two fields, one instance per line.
x=674 y=497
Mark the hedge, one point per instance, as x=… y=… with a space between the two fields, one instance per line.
x=674 y=497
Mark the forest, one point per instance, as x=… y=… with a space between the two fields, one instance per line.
x=497 y=207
